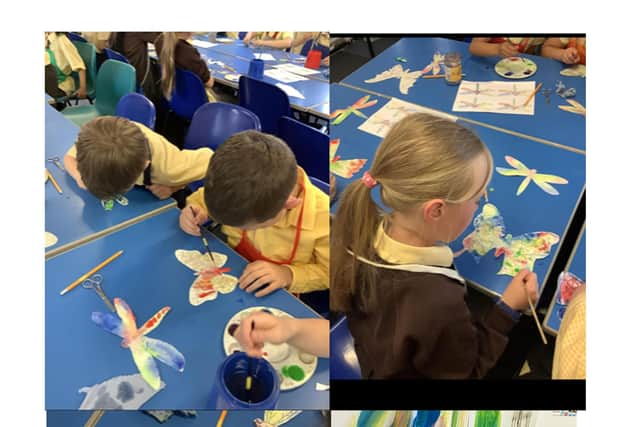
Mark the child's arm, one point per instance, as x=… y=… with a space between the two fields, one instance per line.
x=194 y=214
x=315 y=276
x=480 y=46
x=247 y=37
x=71 y=165
x=277 y=44
x=554 y=48
x=82 y=91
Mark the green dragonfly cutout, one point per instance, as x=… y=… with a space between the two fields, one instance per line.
x=540 y=179
x=343 y=113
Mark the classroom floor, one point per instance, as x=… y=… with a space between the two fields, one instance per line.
x=355 y=54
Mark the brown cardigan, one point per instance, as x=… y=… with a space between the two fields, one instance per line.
x=187 y=57
x=423 y=329
x=134 y=46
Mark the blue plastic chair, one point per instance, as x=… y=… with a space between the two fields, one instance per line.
x=188 y=94
x=310 y=146
x=87 y=52
x=241 y=35
x=115 y=80
x=138 y=108
x=344 y=362
x=307 y=45
x=320 y=184
x=75 y=37
x=213 y=123
x=267 y=101
x=112 y=54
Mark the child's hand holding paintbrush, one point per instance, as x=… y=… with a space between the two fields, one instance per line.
x=191 y=217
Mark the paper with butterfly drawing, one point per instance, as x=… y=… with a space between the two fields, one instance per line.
x=495 y=97
x=407 y=77
x=211 y=278
x=343 y=168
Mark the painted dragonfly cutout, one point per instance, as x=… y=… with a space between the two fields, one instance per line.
x=343 y=168
x=343 y=113
x=575 y=107
x=513 y=106
x=434 y=65
x=143 y=349
x=541 y=180
x=520 y=252
x=211 y=278
x=407 y=77
x=466 y=90
x=473 y=104
x=512 y=92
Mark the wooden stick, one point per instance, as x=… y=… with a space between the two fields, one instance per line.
x=93 y=270
x=94 y=418
x=438 y=76
x=54 y=182
x=223 y=414
x=535 y=317
x=532 y=94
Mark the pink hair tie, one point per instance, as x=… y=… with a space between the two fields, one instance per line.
x=368 y=180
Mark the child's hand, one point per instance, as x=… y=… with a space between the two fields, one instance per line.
x=266 y=328
x=260 y=273
x=570 y=56
x=81 y=93
x=161 y=191
x=506 y=50
x=80 y=182
x=190 y=219
x=525 y=283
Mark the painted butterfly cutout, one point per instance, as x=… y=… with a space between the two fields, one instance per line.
x=540 y=179
x=341 y=114
x=211 y=279
x=343 y=168
x=143 y=349
x=575 y=107
x=434 y=65
x=407 y=77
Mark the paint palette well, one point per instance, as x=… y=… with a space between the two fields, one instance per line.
x=294 y=367
x=516 y=67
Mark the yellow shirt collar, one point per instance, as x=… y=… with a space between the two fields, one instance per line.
x=290 y=219
x=395 y=252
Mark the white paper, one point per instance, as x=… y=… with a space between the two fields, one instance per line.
x=291 y=91
x=321 y=387
x=495 y=97
x=122 y=392
x=201 y=43
x=284 y=76
x=264 y=56
x=296 y=69
x=382 y=120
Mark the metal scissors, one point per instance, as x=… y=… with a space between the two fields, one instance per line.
x=56 y=161
x=95 y=282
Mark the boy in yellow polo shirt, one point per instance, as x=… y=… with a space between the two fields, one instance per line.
x=271 y=212
x=63 y=56
x=112 y=154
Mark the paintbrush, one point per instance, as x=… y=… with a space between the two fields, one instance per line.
x=438 y=76
x=223 y=414
x=54 y=182
x=204 y=239
x=532 y=94
x=535 y=317
x=249 y=382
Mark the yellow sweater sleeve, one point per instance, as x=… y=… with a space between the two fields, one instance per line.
x=70 y=53
x=569 y=358
x=313 y=276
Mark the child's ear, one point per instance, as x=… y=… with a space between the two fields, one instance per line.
x=433 y=210
x=292 y=202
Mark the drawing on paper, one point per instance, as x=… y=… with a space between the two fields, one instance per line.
x=343 y=168
x=341 y=114
x=211 y=278
x=407 y=77
x=495 y=97
x=143 y=349
x=542 y=180
x=520 y=252
x=475 y=90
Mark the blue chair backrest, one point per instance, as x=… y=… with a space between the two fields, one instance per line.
x=112 y=54
x=87 y=52
x=138 y=108
x=214 y=122
x=75 y=37
x=344 y=362
x=188 y=94
x=267 y=101
x=310 y=146
x=241 y=35
x=307 y=45
x=320 y=184
x=115 y=80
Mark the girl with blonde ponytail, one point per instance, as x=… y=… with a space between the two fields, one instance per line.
x=391 y=270
x=175 y=51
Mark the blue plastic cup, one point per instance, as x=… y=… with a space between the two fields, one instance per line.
x=230 y=391
x=256 y=68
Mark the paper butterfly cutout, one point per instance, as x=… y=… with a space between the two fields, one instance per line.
x=520 y=252
x=434 y=65
x=575 y=107
x=211 y=279
x=577 y=70
x=343 y=168
x=407 y=77
x=541 y=180
x=275 y=418
x=343 y=113
x=143 y=349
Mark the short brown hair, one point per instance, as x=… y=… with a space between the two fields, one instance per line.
x=249 y=178
x=111 y=155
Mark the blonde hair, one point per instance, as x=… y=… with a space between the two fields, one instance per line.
x=167 y=62
x=421 y=158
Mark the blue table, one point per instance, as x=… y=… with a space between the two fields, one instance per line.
x=528 y=212
x=575 y=265
x=549 y=122
x=203 y=419
x=344 y=361
x=76 y=216
x=148 y=277
x=315 y=89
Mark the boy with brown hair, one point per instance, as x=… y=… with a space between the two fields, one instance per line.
x=272 y=214
x=112 y=154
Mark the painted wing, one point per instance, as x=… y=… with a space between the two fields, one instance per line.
x=516 y=163
x=278 y=418
x=364 y=102
x=510 y=172
x=154 y=321
x=201 y=291
x=408 y=80
x=109 y=322
x=393 y=72
x=523 y=185
x=426 y=418
x=376 y=418
x=198 y=261
x=333 y=148
x=347 y=168
x=165 y=353
x=543 y=180
x=127 y=317
x=145 y=363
